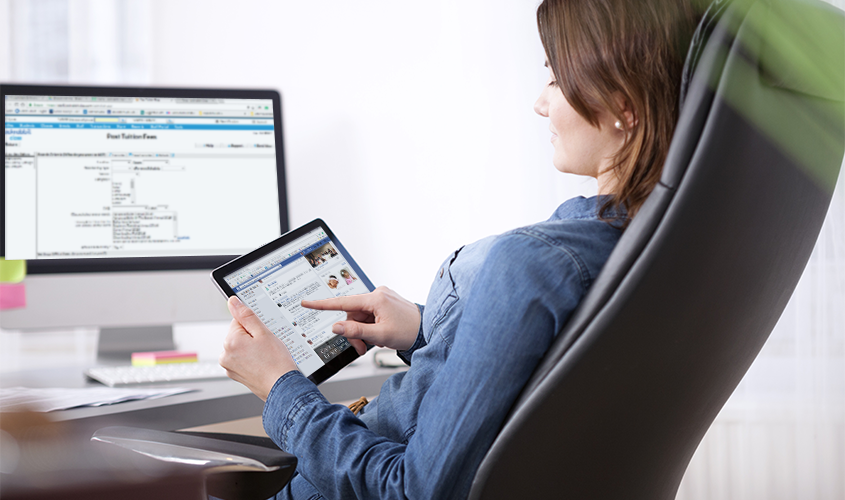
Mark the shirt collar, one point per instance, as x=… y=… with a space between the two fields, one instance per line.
x=586 y=208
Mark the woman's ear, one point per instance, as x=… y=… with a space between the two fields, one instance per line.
x=631 y=118
x=624 y=105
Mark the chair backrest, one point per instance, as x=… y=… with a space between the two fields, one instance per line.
x=699 y=279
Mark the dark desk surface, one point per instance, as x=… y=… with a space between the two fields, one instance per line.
x=214 y=401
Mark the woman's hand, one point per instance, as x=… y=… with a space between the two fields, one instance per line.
x=252 y=355
x=381 y=318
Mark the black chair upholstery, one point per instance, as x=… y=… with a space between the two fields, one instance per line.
x=698 y=281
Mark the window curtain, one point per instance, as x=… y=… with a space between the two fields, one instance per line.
x=105 y=42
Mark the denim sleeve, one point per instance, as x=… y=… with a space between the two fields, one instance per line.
x=525 y=292
x=419 y=343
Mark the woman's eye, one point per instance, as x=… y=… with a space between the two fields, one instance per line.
x=552 y=83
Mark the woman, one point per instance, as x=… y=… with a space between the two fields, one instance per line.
x=347 y=277
x=612 y=103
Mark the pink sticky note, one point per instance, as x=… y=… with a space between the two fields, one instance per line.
x=12 y=295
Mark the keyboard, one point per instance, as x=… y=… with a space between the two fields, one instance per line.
x=175 y=372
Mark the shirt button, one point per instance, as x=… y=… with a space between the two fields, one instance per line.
x=441 y=272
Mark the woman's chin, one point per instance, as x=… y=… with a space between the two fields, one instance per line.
x=566 y=168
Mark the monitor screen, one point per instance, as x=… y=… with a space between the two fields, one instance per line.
x=102 y=182
x=169 y=179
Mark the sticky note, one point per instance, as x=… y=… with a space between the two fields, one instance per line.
x=162 y=357
x=12 y=271
x=12 y=296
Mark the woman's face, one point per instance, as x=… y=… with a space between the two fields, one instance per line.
x=580 y=148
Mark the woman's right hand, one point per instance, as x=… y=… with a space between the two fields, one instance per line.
x=381 y=318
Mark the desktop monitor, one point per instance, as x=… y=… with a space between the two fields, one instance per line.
x=122 y=199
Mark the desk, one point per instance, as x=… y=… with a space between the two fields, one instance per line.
x=58 y=359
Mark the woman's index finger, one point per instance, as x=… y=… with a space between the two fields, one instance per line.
x=351 y=303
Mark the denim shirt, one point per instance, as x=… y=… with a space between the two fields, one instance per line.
x=493 y=310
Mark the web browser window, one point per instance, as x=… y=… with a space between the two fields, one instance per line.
x=310 y=268
x=89 y=177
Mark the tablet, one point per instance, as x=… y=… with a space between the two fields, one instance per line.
x=306 y=263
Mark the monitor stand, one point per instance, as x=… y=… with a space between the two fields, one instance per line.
x=116 y=345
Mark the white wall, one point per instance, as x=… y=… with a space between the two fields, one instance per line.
x=405 y=123
x=5 y=43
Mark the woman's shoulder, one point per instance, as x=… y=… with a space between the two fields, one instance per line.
x=574 y=224
x=573 y=233
x=576 y=239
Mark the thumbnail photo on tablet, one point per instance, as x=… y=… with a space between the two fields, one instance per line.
x=309 y=268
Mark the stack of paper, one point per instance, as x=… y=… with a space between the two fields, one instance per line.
x=29 y=399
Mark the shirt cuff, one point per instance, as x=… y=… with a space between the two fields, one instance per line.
x=288 y=397
x=419 y=343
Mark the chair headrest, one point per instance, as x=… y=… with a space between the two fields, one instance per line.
x=699 y=41
x=803 y=47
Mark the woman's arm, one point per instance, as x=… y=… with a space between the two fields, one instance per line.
x=508 y=324
x=255 y=357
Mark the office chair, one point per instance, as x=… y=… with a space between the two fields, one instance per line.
x=699 y=279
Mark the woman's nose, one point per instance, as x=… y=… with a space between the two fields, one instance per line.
x=541 y=106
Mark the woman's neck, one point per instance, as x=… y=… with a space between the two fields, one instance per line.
x=607 y=182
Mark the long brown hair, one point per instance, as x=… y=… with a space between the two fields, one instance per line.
x=636 y=48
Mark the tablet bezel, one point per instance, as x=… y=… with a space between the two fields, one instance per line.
x=217 y=276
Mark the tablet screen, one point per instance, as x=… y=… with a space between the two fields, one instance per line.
x=308 y=268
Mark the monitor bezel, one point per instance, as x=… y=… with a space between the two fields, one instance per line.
x=122 y=264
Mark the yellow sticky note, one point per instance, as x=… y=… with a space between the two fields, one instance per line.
x=12 y=271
